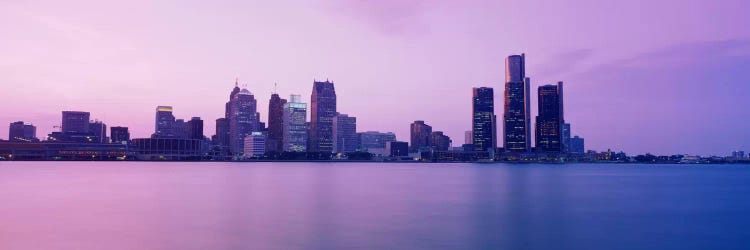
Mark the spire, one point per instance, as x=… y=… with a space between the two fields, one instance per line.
x=236 y=82
x=274 y=88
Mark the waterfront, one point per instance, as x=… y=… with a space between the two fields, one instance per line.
x=265 y=205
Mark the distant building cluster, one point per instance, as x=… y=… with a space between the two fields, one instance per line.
x=329 y=134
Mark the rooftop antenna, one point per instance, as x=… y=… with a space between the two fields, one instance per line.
x=274 y=88
x=237 y=82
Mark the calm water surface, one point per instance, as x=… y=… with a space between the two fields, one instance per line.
x=142 y=205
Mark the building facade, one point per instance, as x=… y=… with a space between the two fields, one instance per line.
x=195 y=129
x=119 y=135
x=75 y=122
x=439 y=141
x=483 y=120
x=255 y=145
x=20 y=132
x=420 y=136
x=276 y=123
x=164 y=123
x=397 y=148
x=323 y=109
x=516 y=117
x=344 y=133
x=243 y=120
x=549 y=122
x=374 y=140
x=577 y=145
x=295 y=125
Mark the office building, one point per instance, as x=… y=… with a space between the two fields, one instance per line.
x=483 y=120
x=550 y=120
x=374 y=140
x=420 y=136
x=20 y=132
x=344 y=133
x=566 y=137
x=516 y=116
x=295 y=125
x=243 y=120
x=255 y=145
x=323 y=109
x=577 y=146
x=195 y=129
x=275 y=123
x=119 y=135
x=98 y=131
x=397 y=148
x=164 y=123
x=440 y=141
x=75 y=122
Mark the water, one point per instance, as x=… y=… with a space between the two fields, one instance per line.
x=145 y=205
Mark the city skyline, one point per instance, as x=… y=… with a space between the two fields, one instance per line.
x=639 y=98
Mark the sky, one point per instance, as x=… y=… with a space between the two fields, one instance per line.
x=661 y=76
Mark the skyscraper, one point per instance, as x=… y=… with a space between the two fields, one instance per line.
x=549 y=122
x=222 y=127
x=242 y=121
x=344 y=133
x=75 y=122
x=195 y=129
x=295 y=125
x=516 y=117
x=164 y=122
x=275 y=123
x=323 y=105
x=420 y=136
x=119 y=134
x=18 y=131
x=483 y=120
x=566 y=137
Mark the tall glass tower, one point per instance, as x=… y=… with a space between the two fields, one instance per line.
x=516 y=118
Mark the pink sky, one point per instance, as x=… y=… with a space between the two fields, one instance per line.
x=635 y=71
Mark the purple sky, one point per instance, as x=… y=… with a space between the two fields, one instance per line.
x=641 y=76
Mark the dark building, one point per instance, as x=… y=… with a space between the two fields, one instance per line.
x=62 y=151
x=516 y=117
x=75 y=122
x=549 y=122
x=344 y=133
x=397 y=148
x=577 y=145
x=420 y=136
x=483 y=120
x=440 y=141
x=99 y=132
x=195 y=129
x=243 y=120
x=76 y=127
x=119 y=134
x=323 y=109
x=222 y=136
x=168 y=149
x=275 y=123
x=20 y=132
x=180 y=129
x=164 y=123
